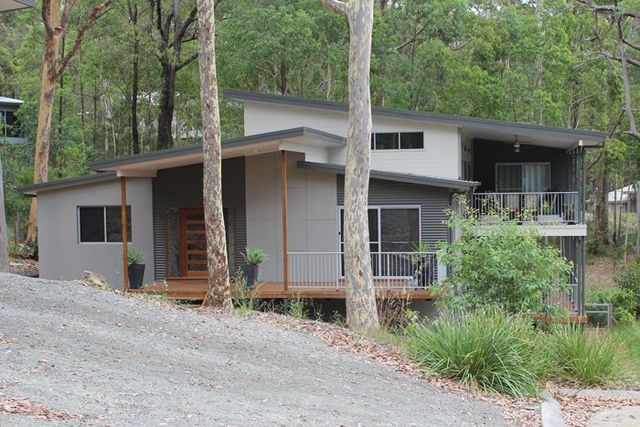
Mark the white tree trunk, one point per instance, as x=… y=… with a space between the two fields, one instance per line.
x=4 y=243
x=219 y=295
x=361 y=299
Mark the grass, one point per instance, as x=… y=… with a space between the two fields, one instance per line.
x=484 y=349
x=629 y=335
x=590 y=357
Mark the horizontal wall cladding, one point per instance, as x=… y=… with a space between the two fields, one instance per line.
x=182 y=187
x=433 y=204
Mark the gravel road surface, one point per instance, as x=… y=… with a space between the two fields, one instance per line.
x=120 y=361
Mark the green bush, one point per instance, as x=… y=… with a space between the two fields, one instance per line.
x=622 y=302
x=590 y=357
x=504 y=265
x=490 y=349
x=629 y=280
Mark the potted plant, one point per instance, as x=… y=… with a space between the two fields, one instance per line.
x=136 y=268
x=253 y=258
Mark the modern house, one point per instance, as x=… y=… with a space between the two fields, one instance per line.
x=283 y=193
x=623 y=200
x=10 y=129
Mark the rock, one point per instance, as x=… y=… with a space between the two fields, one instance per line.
x=628 y=416
x=95 y=280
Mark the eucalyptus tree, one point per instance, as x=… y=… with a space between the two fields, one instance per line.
x=57 y=24
x=361 y=298
x=219 y=294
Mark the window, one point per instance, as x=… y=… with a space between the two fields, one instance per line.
x=523 y=177
x=9 y=125
x=397 y=141
x=391 y=229
x=100 y=224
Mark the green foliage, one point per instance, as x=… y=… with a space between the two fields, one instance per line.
x=254 y=256
x=629 y=280
x=590 y=357
x=297 y=307
x=243 y=296
x=622 y=302
x=503 y=265
x=135 y=256
x=490 y=349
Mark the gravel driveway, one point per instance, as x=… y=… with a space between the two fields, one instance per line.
x=117 y=361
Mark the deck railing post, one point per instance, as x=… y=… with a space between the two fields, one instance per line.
x=285 y=215
x=125 y=237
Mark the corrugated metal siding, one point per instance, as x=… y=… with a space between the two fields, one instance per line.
x=433 y=203
x=182 y=187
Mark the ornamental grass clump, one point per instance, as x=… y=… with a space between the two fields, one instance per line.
x=589 y=357
x=489 y=349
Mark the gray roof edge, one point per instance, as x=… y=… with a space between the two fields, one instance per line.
x=454 y=184
x=230 y=143
x=473 y=122
x=32 y=189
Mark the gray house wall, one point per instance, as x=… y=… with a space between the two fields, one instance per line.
x=433 y=203
x=311 y=196
x=63 y=257
x=182 y=187
x=487 y=153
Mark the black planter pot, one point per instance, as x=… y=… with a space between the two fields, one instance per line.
x=136 y=275
x=250 y=273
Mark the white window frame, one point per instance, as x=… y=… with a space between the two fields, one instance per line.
x=395 y=150
x=523 y=171
x=104 y=224
x=340 y=242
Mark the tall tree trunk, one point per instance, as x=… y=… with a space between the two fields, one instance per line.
x=167 y=104
x=4 y=238
x=61 y=98
x=219 y=295
x=602 y=213
x=55 y=30
x=45 y=111
x=135 y=135
x=361 y=300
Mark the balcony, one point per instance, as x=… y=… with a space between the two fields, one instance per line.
x=392 y=271
x=548 y=208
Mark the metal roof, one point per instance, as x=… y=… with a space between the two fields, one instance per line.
x=462 y=121
x=33 y=189
x=7 y=5
x=10 y=101
x=231 y=143
x=453 y=184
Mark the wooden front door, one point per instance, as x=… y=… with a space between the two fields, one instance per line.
x=193 y=243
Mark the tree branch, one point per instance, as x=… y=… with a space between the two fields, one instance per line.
x=97 y=12
x=46 y=16
x=187 y=61
x=633 y=130
x=335 y=6
x=66 y=13
x=193 y=16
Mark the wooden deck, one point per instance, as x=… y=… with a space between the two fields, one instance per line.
x=196 y=289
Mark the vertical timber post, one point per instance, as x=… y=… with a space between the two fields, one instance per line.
x=285 y=219
x=125 y=237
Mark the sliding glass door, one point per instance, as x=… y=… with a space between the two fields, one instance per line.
x=394 y=231
x=523 y=177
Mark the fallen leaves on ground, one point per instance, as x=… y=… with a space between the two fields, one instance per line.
x=14 y=405
x=577 y=410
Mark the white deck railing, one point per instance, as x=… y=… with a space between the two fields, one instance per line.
x=391 y=270
x=542 y=208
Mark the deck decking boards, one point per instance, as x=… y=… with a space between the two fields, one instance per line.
x=196 y=289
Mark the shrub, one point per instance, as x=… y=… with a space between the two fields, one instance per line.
x=590 y=357
x=135 y=256
x=622 y=302
x=629 y=280
x=488 y=349
x=254 y=256
x=504 y=266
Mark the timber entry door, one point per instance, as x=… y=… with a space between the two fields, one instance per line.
x=193 y=243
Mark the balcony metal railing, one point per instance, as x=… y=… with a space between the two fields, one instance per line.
x=565 y=300
x=391 y=270
x=542 y=208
